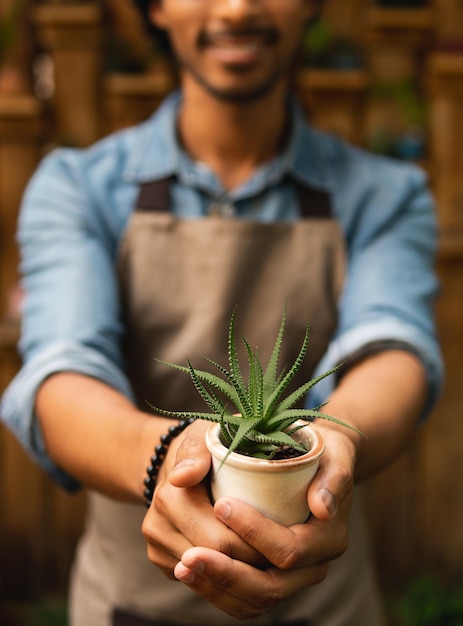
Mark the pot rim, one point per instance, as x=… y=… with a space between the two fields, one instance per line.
x=235 y=459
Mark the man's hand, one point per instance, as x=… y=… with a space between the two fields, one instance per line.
x=232 y=556
x=181 y=515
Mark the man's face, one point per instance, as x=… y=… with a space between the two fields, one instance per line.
x=237 y=50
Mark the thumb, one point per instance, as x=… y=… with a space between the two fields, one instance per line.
x=193 y=460
x=333 y=484
x=323 y=503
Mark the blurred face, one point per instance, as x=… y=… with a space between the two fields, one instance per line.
x=236 y=50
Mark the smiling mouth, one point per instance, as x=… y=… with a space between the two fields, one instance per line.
x=238 y=46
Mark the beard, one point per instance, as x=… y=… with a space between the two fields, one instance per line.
x=238 y=95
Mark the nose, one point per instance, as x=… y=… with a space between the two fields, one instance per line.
x=238 y=10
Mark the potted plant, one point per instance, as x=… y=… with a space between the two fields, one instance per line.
x=263 y=450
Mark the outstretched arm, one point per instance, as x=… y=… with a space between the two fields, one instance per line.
x=106 y=444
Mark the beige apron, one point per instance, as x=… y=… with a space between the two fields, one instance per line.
x=180 y=281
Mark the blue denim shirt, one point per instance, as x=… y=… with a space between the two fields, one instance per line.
x=78 y=204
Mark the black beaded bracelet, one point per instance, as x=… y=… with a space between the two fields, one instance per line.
x=159 y=455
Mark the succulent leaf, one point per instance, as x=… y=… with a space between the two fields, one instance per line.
x=244 y=428
x=291 y=400
x=310 y=415
x=283 y=384
x=271 y=376
x=236 y=378
x=264 y=420
x=216 y=381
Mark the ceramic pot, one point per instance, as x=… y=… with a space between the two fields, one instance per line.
x=277 y=488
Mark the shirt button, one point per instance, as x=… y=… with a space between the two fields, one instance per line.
x=221 y=209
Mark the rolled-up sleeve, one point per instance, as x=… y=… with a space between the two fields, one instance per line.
x=19 y=399
x=71 y=318
x=391 y=285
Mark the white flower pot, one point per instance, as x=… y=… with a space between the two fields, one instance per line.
x=278 y=489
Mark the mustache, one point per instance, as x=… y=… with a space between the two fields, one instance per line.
x=267 y=34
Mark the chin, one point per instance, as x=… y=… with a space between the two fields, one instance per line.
x=246 y=93
x=237 y=96
x=241 y=95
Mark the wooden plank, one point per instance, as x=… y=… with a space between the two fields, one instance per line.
x=401 y=19
x=442 y=470
x=73 y=36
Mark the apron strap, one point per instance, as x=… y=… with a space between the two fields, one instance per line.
x=313 y=203
x=154 y=196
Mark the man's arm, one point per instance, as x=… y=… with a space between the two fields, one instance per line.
x=383 y=396
x=104 y=442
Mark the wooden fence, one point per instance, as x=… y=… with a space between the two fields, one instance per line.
x=415 y=506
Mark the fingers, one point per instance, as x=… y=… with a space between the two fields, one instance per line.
x=247 y=563
x=236 y=587
x=162 y=528
x=301 y=545
x=325 y=536
x=169 y=523
x=333 y=484
x=181 y=514
x=192 y=459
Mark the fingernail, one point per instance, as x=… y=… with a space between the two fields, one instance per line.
x=328 y=500
x=223 y=509
x=185 y=576
x=198 y=566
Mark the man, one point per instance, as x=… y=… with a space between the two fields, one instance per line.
x=237 y=201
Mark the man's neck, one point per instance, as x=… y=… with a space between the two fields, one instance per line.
x=232 y=139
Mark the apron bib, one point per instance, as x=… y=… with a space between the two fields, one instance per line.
x=180 y=280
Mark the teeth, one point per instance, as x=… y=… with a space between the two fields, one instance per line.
x=231 y=45
x=236 y=46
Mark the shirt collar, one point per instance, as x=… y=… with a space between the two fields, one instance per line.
x=157 y=154
x=305 y=157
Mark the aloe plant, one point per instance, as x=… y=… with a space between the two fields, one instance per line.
x=262 y=420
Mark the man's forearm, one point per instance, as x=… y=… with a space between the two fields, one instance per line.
x=96 y=434
x=382 y=396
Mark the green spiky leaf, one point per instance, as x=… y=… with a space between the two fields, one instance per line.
x=261 y=419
